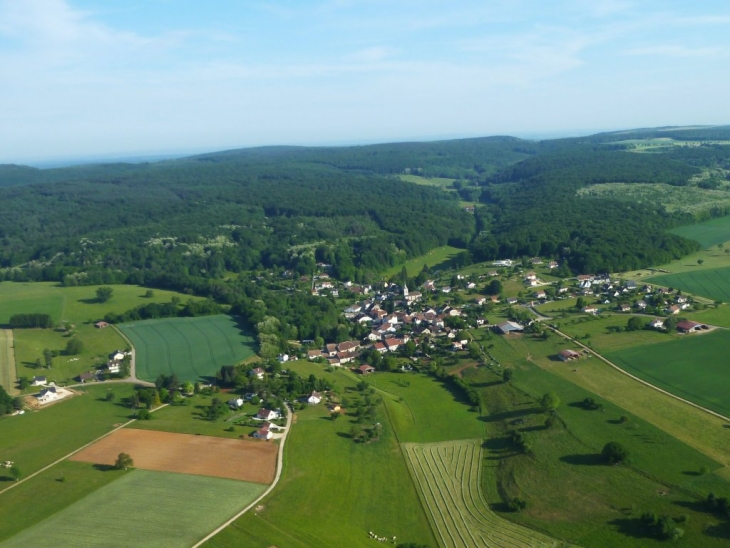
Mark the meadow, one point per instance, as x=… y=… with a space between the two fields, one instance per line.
x=602 y=332
x=708 y=233
x=333 y=491
x=191 y=348
x=438 y=257
x=448 y=475
x=7 y=362
x=38 y=438
x=144 y=508
x=695 y=368
x=712 y=283
x=570 y=494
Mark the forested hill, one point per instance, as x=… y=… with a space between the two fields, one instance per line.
x=211 y=215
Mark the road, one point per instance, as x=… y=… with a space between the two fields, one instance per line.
x=279 y=467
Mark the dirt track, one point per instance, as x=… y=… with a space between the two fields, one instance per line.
x=187 y=454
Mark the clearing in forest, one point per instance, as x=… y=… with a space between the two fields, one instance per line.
x=187 y=454
x=8 y=373
x=191 y=348
x=448 y=475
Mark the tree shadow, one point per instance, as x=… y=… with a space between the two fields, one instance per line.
x=486 y=384
x=6 y=478
x=589 y=459
x=508 y=415
x=90 y=301
x=691 y=473
x=103 y=467
x=632 y=527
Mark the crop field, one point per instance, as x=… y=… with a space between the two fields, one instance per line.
x=437 y=256
x=712 y=283
x=191 y=348
x=146 y=509
x=695 y=368
x=448 y=478
x=708 y=233
x=187 y=454
x=8 y=374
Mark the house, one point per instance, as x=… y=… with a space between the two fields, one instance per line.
x=235 y=403
x=114 y=368
x=314 y=398
x=365 y=369
x=482 y=301
x=586 y=278
x=656 y=324
x=267 y=414
x=568 y=355
x=380 y=347
x=117 y=356
x=540 y=295
x=512 y=300
x=348 y=346
x=624 y=308
x=530 y=276
x=101 y=325
x=283 y=358
x=674 y=309
x=509 y=327
x=494 y=298
x=687 y=326
x=504 y=262
x=331 y=349
x=47 y=395
x=344 y=357
x=446 y=289
x=562 y=290
x=39 y=381
x=536 y=260
x=334 y=407
x=630 y=285
x=257 y=372
x=88 y=376
x=264 y=433
x=392 y=344
x=493 y=273
x=314 y=354
x=590 y=309
x=552 y=265
x=641 y=305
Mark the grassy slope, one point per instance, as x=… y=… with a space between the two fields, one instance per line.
x=334 y=491
x=176 y=520
x=192 y=348
x=438 y=257
x=604 y=339
x=568 y=493
x=708 y=233
x=38 y=438
x=695 y=368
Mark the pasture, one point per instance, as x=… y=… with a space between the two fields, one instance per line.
x=187 y=454
x=712 y=283
x=601 y=332
x=422 y=410
x=38 y=438
x=144 y=508
x=448 y=477
x=438 y=257
x=695 y=368
x=707 y=233
x=191 y=348
x=333 y=491
x=8 y=375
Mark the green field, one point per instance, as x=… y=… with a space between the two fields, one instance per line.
x=191 y=348
x=38 y=438
x=144 y=508
x=695 y=368
x=7 y=361
x=423 y=411
x=333 y=491
x=707 y=233
x=601 y=332
x=438 y=257
x=448 y=477
x=712 y=283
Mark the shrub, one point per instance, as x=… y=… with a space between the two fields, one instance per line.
x=614 y=453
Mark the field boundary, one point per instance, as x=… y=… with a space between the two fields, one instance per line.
x=642 y=381
x=8 y=370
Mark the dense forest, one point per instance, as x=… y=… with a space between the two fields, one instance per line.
x=189 y=223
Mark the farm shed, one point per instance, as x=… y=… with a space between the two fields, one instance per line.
x=509 y=327
x=688 y=326
x=568 y=355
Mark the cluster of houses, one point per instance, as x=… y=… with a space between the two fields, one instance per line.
x=49 y=392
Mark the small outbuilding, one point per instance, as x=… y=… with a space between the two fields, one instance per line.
x=568 y=355
x=688 y=326
x=509 y=327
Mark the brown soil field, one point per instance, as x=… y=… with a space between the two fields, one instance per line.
x=186 y=454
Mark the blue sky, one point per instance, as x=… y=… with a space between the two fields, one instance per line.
x=84 y=78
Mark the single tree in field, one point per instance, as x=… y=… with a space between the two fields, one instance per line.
x=123 y=462
x=15 y=473
x=700 y=261
x=507 y=375
x=614 y=453
x=74 y=347
x=103 y=294
x=48 y=357
x=550 y=401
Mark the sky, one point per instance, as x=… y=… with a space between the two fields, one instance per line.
x=101 y=78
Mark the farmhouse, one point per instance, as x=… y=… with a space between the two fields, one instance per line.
x=314 y=398
x=39 y=381
x=509 y=327
x=591 y=309
x=264 y=433
x=48 y=395
x=656 y=324
x=688 y=326
x=267 y=414
x=568 y=355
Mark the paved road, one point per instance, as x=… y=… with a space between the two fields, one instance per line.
x=279 y=467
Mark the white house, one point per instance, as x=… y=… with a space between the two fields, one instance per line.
x=47 y=395
x=264 y=433
x=267 y=414
x=235 y=403
x=314 y=398
x=258 y=372
x=39 y=381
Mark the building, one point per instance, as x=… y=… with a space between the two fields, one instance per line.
x=48 y=395
x=688 y=326
x=314 y=398
x=264 y=433
x=568 y=355
x=509 y=327
x=267 y=414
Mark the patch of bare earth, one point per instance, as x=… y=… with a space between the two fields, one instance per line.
x=187 y=454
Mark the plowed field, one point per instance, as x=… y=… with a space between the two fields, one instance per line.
x=187 y=454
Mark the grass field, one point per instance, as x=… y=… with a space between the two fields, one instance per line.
x=448 y=477
x=712 y=283
x=438 y=257
x=695 y=368
x=602 y=334
x=708 y=233
x=334 y=491
x=144 y=508
x=423 y=411
x=37 y=438
x=191 y=348
x=8 y=374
